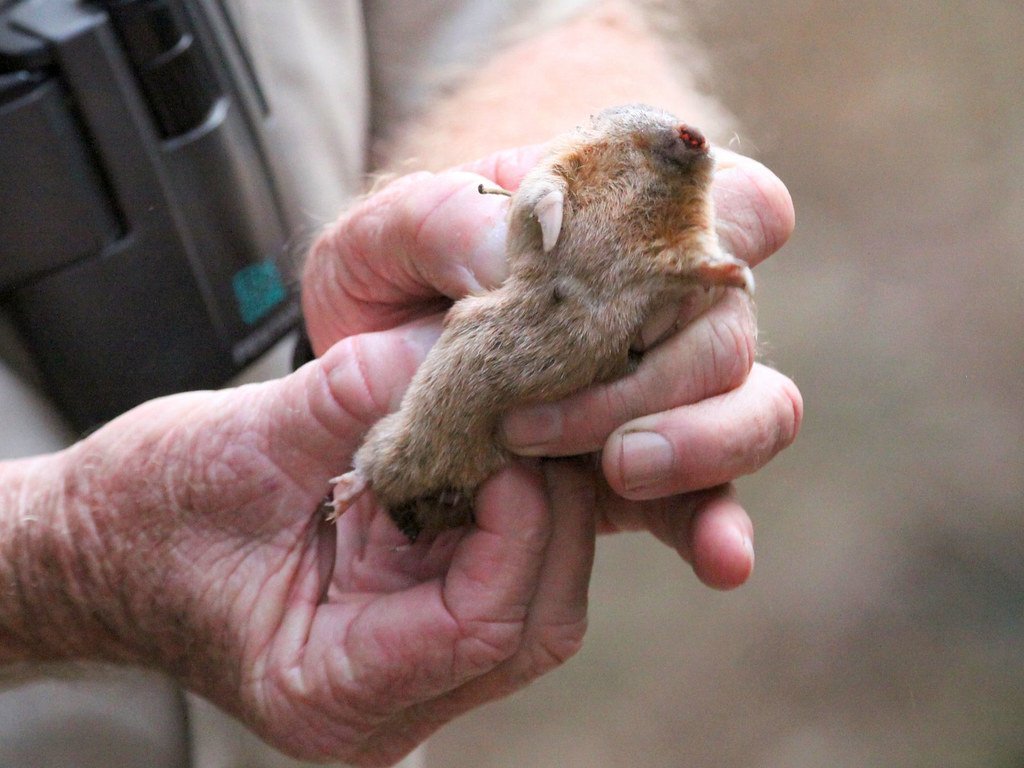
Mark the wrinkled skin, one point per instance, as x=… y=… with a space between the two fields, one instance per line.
x=192 y=527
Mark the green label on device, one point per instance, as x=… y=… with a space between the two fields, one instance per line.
x=258 y=289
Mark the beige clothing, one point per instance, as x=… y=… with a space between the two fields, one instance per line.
x=316 y=60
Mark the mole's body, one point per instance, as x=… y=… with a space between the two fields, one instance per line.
x=615 y=223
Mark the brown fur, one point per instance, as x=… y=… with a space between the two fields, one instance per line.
x=636 y=233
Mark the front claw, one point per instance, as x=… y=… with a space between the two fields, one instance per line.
x=727 y=271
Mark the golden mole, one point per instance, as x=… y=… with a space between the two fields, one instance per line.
x=615 y=223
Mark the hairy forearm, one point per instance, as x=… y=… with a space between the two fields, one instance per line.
x=552 y=81
x=63 y=590
x=39 y=596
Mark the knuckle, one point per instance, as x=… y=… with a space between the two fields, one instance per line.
x=384 y=218
x=323 y=247
x=415 y=199
x=391 y=189
x=337 y=277
x=546 y=649
x=783 y=415
x=557 y=644
x=490 y=644
x=351 y=385
x=336 y=244
x=619 y=402
x=731 y=350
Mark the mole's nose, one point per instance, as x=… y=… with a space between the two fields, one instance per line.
x=692 y=137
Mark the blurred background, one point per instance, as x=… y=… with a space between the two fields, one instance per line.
x=884 y=622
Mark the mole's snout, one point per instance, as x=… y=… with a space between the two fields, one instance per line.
x=692 y=138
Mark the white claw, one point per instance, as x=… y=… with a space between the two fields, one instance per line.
x=748 y=280
x=549 y=211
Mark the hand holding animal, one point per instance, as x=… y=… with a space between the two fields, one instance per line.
x=612 y=226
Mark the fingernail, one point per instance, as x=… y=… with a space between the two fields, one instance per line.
x=488 y=264
x=530 y=430
x=645 y=459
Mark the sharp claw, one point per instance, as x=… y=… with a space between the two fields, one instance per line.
x=328 y=508
x=335 y=508
x=748 y=280
x=728 y=271
x=346 y=488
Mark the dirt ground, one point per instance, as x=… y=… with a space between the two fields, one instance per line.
x=884 y=623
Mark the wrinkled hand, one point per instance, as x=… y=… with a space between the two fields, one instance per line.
x=697 y=413
x=186 y=534
x=189 y=539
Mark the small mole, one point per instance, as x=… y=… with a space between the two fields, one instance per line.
x=634 y=247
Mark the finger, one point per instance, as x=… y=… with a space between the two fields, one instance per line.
x=711 y=355
x=508 y=167
x=709 y=529
x=495 y=572
x=754 y=209
x=313 y=420
x=558 y=613
x=705 y=444
x=393 y=651
x=422 y=238
x=721 y=541
x=555 y=622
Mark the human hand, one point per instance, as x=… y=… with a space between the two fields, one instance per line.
x=186 y=536
x=697 y=401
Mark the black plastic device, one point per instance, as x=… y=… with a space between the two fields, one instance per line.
x=142 y=237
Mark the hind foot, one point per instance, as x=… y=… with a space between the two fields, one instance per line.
x=347 y=488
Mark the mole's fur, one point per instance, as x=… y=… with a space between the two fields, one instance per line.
x=613 y=224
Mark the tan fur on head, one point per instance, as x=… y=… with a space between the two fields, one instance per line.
x=615 y=223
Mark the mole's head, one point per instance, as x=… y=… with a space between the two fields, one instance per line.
x=633 y=167
x=654 y=140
